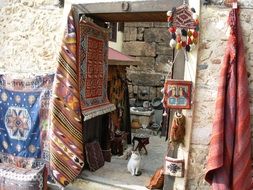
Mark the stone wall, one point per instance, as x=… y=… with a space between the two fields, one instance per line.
x=148 y=42
x=30 y=36
x=210 y=57
x=31 y=32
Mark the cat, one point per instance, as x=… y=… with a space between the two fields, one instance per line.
x=134 y=163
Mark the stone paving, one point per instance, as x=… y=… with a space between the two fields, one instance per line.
x=114 y=175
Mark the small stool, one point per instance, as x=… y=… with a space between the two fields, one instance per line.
x=142 y=142
x=117 y=143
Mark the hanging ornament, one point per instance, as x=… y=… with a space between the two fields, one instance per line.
x=172 y=29
x=184 y=38
x=195 y=34
x=173 y=36
x=178 y=46
x=189 y=41
x=178 y=38
x=173 y=43
x=184 y=32
x=188 y=48
x=189 y=33
x=183 y=24
x=178 y=31
x=169 y=13
x=183 y=43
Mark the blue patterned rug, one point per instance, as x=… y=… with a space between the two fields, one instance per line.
x=24 y=119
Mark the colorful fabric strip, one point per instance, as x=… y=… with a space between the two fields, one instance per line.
x=66 y=151
x=229 y=161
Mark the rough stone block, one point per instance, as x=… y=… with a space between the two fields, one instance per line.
x=164 y=49
x=163 y=68
x=130 y=91
x=3 y=3
x=146 y=62
x=140 y=34
x=158 y=92
x=156 y=35
x=136 y=48
x=250 y=56
x=201 y=135
x=243 y=3
x=245 y=17
x=214 y=20
x=143 y=93
x=130 y=34
x=197 y=155
x=145 y=79
x=135 y=89
x=30 y=44
x=152 y=93
x=246 y=28
x=162 y=65
x=162 y=59
x=202 y=66
x=161 y=24
x=139 y=24
x=216 y=61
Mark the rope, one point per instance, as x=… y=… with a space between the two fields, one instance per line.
x=173 y=62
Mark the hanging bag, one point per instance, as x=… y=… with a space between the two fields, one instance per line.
x=174 y=167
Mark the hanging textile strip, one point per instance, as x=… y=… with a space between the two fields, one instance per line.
x=66 y=155
x=229 y=161
x=24 y=120
x=93 y=75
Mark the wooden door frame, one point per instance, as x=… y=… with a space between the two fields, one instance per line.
x=147 y=11
x=131 y=11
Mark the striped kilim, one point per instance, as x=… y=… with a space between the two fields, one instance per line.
x=66 y=150
x=229 y=161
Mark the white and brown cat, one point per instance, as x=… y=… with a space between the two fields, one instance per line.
x=134 y=163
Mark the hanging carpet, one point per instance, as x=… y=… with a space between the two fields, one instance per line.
x=66 y=152
x=93 y=75
x=80 y=93
x=24 y=120
x=229 y=161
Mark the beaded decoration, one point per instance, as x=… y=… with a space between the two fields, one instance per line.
x=183 y=25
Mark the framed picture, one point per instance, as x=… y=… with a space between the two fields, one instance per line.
x=177 y=94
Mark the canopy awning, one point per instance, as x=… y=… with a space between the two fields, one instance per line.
x=118 y=58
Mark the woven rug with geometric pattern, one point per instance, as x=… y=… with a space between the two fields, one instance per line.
x=93 y=74
x=24 y=119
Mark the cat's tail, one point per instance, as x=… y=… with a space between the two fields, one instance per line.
x=138 y=173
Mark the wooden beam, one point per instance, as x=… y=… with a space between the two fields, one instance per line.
x=124 y=11
x=135 y=6
x=130 y=17
x=122 y=63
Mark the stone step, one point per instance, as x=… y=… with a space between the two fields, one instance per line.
x=82 y=184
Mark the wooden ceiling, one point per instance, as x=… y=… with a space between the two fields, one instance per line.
x=131 y=17
x=132 y=11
